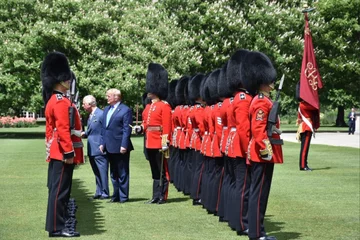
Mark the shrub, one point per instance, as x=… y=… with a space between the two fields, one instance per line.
x=7 y=122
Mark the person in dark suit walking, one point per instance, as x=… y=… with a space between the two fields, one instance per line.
x=98 y=160
x=116 y=131
x=352 y=119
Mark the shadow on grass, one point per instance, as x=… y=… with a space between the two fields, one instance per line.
x=22 y=135
x=91 y=220
x=175 y=200
x=274 y=228
x=324 y=168
x=138 y=199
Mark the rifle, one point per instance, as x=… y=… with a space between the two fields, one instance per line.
x=273 y=116
x=73 y=99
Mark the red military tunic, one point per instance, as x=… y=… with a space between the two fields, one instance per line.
x=189 y=127
x=308 y=118
x=156 y=123
x=240 y=108
x=259 y=111
x=197 y=122
x=232 y=148
x=183 y=121
x=176 y=125
x=225 y=130
x=217 y=130
x=207 y=137
x=59 y=142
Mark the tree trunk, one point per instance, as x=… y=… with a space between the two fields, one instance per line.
x=340 y=117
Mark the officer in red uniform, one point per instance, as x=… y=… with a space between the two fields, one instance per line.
x=157 y=127
x=309 y=121
x=60 y=153
x=260 y=74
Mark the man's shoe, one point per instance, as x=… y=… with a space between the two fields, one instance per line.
x=152 y=201
x=306 y=169
x=103 y=198
x=64 y=233
x=243 y=233
x=114 y=200
x=161 y=201
x=124 y=201
x=95 y=197
x=197 y=202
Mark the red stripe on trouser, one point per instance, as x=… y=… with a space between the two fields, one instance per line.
x=304 y=150
x=167 y=176
x=242 y=200
x=199 y=181
x=57 y=194
x=219 y=190
x=258 y=210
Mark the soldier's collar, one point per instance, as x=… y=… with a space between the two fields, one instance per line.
x=155 y=100
x=267 y=94
x=58 y=92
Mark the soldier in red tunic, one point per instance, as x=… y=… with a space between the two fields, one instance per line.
x=260 y=74
x=60 y=153
x=157 y=127
x=308 y=120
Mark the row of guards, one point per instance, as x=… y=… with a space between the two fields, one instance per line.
x=216 y=136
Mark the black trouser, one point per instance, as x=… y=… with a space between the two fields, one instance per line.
x=59 y=185
x=305 y=145
x=155 y=164
x=197 y=169
x=351 y=127
x=261 y=177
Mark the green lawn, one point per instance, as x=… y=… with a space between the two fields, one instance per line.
x=323 y=204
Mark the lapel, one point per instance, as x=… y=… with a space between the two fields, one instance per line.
x=114 y=113
x=92 y=118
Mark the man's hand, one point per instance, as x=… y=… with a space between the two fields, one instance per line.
x=123 y=150
x=101 y=148
x=76 y=133
x=69 y=160
x=83 y=134
x=164 y=148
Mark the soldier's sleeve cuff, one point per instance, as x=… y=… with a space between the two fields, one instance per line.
x=69 y=155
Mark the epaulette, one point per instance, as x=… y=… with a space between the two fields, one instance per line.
x=59 y=96
x=261 y=95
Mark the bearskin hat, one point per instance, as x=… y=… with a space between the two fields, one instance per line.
x=145 y=100
x=157 y=81
x=171 y=99
x=297 y=92
x=194 y=87
x=256 y=69
x=204 y=92
x=54 y=69
x=223 y=88
x=180 y=90
x=211 y=86
x=233 y=71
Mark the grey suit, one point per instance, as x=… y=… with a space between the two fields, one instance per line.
x=99 y=162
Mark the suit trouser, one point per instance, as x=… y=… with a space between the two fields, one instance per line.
x=160 y=192
x=305 y=146
x=261 y=177
x=59 y=185
x=351 y=127
x=100 y=167
x=119 y=173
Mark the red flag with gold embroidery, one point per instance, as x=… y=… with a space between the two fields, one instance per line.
x=310 y=79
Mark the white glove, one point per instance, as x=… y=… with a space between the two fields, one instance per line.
x=267 y=157
x=76 y=133
x=164 y=148
x=138 y=129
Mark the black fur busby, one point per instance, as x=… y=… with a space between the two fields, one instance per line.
x=180 y=90
x=223 y=88
x=211 y=85
x=194 y=87
x=233 y=71
x=54 y=69
x=297 y=92
x=204 y=92
x=171 y=99
x=257 y=69
x=145 y=100
x=157 y=80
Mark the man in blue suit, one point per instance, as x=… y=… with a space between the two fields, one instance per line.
x=116 y=132
x=98 y=160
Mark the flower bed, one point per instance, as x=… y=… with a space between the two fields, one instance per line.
x=15 y=122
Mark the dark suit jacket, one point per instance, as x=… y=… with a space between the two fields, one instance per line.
x=350 y=118
x=93 y=133
x=117 y=133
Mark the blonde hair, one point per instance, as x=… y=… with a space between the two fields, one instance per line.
x=115 y=92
